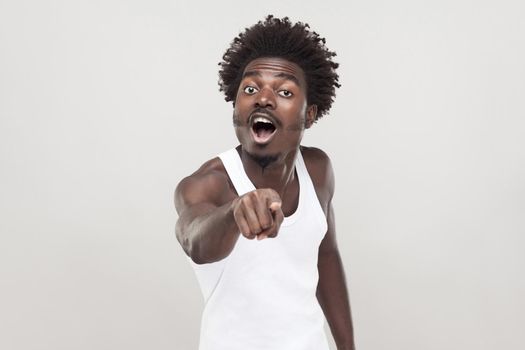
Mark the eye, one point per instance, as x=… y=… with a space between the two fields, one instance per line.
x=250 y=90
x=285 y=93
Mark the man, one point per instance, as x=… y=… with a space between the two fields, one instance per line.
x=257 y=221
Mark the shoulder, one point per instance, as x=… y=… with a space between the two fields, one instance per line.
x=210 y=183
x=321 y=172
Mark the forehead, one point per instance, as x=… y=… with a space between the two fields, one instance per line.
x=276 y=66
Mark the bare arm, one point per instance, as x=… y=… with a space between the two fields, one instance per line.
x=206 y=228
x=211 y=215
x=332 y=292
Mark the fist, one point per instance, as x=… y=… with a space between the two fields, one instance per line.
x=258 y=213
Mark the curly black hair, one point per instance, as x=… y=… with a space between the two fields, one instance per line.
x=296 y=43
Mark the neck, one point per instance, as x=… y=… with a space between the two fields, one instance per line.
x=275 y=172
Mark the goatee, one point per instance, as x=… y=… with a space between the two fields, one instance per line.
x=263 y=161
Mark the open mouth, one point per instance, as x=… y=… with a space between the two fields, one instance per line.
x=263 y=129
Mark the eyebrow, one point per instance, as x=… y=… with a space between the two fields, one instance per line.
x=287 y=76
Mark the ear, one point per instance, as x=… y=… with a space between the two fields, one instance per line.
x=311 y=113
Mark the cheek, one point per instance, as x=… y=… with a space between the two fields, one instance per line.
x=298 y=111
x=237 y=115
x=241 y=105
x=297 y=118
x=297 y=103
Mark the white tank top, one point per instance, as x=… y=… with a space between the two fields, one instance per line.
x=262 y=296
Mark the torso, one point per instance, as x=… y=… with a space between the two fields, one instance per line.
x=272 y=282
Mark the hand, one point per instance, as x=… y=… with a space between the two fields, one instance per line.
x=258 y=213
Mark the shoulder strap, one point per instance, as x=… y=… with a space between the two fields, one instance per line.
x=308 y=191
x=233 y=165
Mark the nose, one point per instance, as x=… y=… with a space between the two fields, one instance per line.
x=265 y=99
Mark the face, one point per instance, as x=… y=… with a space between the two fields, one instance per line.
x=271 y=110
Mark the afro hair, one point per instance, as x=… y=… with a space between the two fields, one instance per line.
x=296 y=43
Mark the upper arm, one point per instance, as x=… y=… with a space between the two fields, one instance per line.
x=329 y=243
x=322 y=174
x=198 y=189
x=199 y=193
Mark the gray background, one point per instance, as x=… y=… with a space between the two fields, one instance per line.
x=106 y=105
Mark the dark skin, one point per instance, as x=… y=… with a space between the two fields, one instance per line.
x=211 y=214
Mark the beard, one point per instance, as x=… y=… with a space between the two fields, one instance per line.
x=236 y=120
x=263 y=160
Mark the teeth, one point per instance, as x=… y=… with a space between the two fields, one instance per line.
x=262 y=120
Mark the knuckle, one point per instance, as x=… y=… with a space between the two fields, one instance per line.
x=266 y=219
x=245 y=200
x=254 y=226
x=237 y=212
x=253 y=195
x=266 y=224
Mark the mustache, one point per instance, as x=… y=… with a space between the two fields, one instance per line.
x=257 y=112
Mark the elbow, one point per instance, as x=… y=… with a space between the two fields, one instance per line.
x=184 y=240
x=194 y=254
x=196 y=247
x=190 y=247
x=197 y=255
x=191 y=250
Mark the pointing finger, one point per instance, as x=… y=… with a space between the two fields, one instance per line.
x=274 y=206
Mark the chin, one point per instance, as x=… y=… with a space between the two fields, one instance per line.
x=264 y=159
